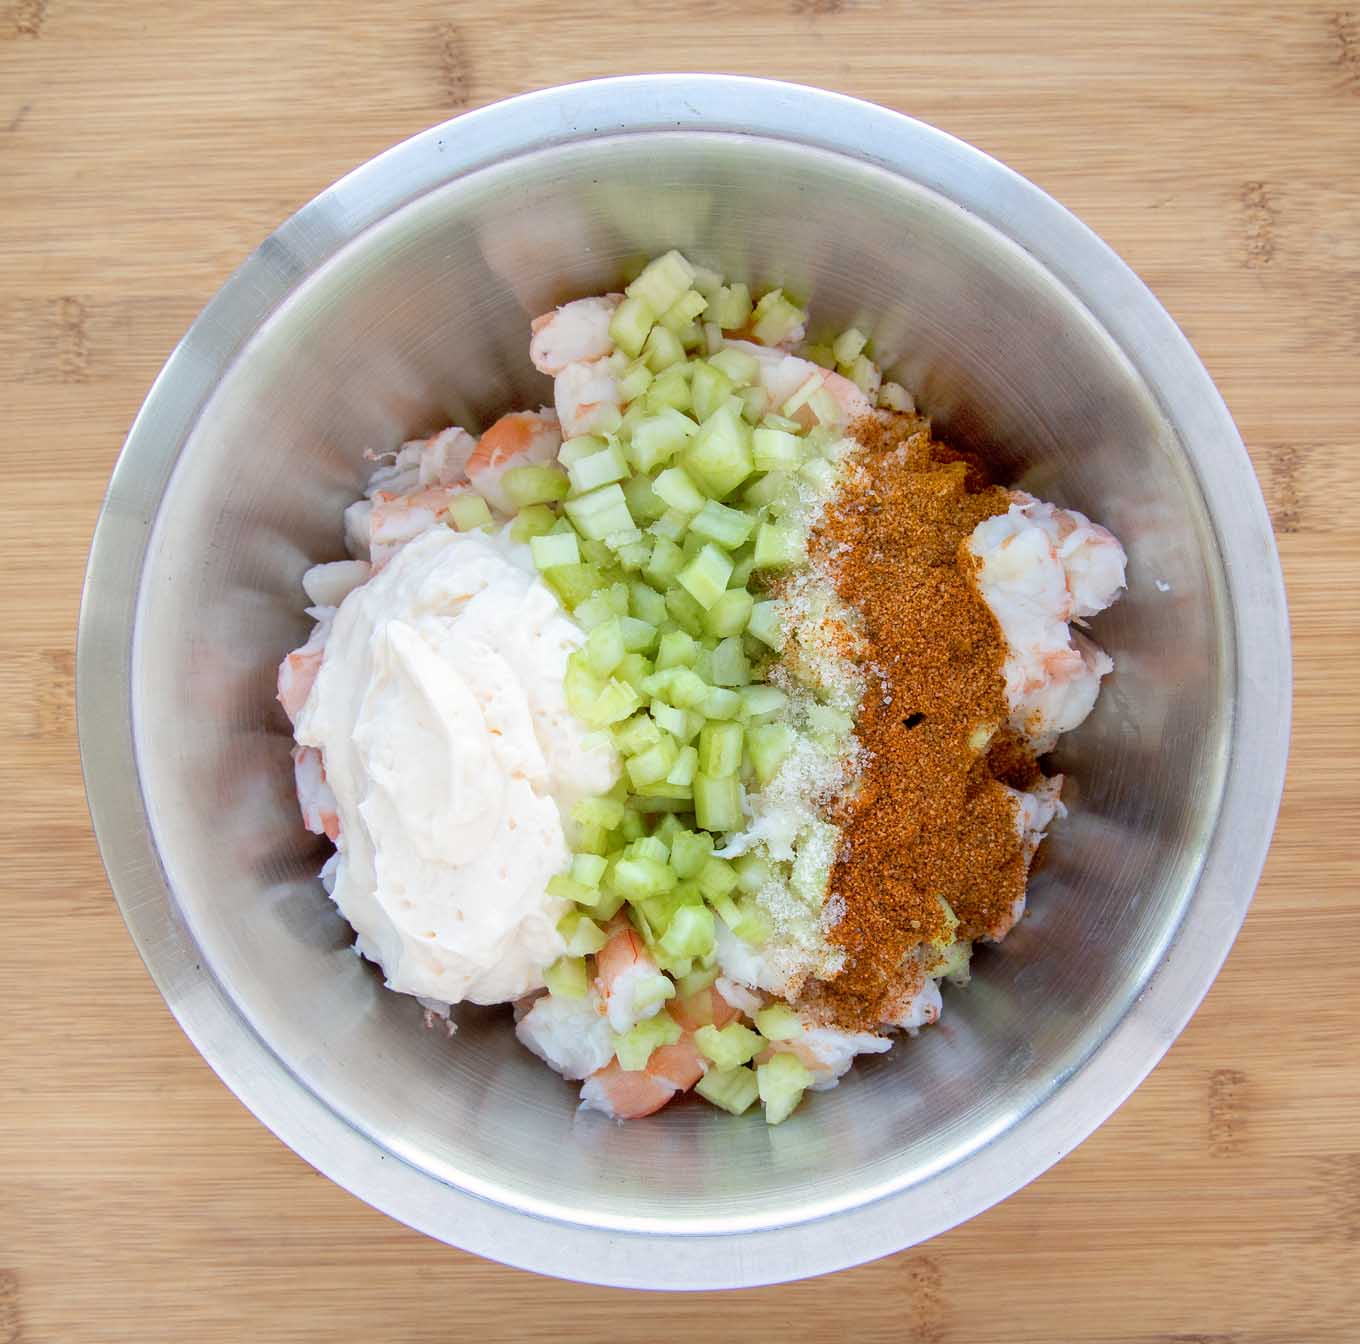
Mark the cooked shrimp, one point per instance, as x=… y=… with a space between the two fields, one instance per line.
x=319 y=809
x=1052 y=676
x=298 y=670
x=328 y=585
x=627 y=980
x=569 y=1035
x=587 y=398
x=1034 y=810
x=623 y=1094
x=522 y=438
x=575 y=333
x=397 y=519
x=782 y=374
x=1093 y=561
x=916 y=1010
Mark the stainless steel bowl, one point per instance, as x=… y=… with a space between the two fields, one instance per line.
x=396 y=302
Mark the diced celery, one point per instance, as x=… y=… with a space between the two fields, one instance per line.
x=685 y=767
x=616 y=701
x=649 y=847
x=775 y=319
x=662 y=281
x=829 y=727
x=953 y=965
x=470 y=513
x=708 y=388
x=535 y=521
x=554 y=549
x=678 y=490
x=657 y=438
x=803 y=394
x=811 y=869
x=717 y=878
x=569 y=889
x=724 y=527
x=690 y=850
x=778 y=1022
x=713 y=338
x=634 y=1048
x=666 y=831
x=690 y=932
x=668 y=390
x=587 y=473
x=583 y=445
x=895 y=397
x=686 y=688
x=729 y=1046
x=637 y=734
x=826 y=408
x=632 y=320
x=717 y=803
x=865 y=375
x=778 y=545
x=604 y=812
x=600 y=606
x=664 y=563
x=698 y=979
x=663 y=349
x=594 y=840
x=581 y=934
x=773 y=421
x=730 y=614
x=720 y=749
x=760 y=700
x=672 y=525
x=534 y=485
x=653 y=765
x=605 y=647
x=732 y=307
x=638 y=636
x=737 y=366
x=719 y=456
x=820 y=354
x=634 y=381
x=849 y=345
x=730 y=665
x=781 y=1081
x=638 y=879
x=705 y=577
x=720 y=703
x=775 y=449
x=676 y=649
x=683 y=311
x=820 y=474
x=732 y=1090
x=743 y=565
x=566 y=978
x=642 y=500
x=755 y=401
x=587 y=869
x=595 y=553
x=597 y=514
x=707 y=282
x=646 y=603
x=671 y=720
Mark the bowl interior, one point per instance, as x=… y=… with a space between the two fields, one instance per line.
x=423 y=321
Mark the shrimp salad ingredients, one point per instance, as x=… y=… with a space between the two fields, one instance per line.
x=601 y=715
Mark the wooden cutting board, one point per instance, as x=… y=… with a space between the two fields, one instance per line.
x=147 y=145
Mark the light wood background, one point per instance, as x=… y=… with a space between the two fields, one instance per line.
x=147 y=145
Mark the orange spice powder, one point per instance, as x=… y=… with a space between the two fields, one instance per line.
x=929 y=819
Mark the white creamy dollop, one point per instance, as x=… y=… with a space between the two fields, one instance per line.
x=454 y=762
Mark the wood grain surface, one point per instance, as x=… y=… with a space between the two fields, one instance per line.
x=147 y=145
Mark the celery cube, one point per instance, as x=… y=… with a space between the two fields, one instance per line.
x=690 y=932
x=690 y=850
x=719 y=456
x=598 y=469
x=708 y=388
x=566 y=978
x=642 y=500
x=676 y=649
x=616 y=702
x=657 y=438
x=781 y=1081
x=717 y=802
x=629 y=326
x=865 y=375
x=554 y=549
x=581 y=934
x=732 y=308
x=717 y=879
x=535 y=521
x=652 y=765
x=470 y=513
x=638 y=879
x=587 y=869
x=737 y=366
x=720 y=703
x=705 y=577
x=601 y=605
x=604 y=812
x=720 y=749
x=729 y=1046
x=726 y=527
x=686 y=689
x=679 y=316
x=669 y=390
x=605 y=647
x=757 y=701
x=675 y=487
x=730 y=665
x=662 y=281
x=634 y=1048
x=583 y=445
x=602 y=511
x=778 y=545
x=685 y=767
x=664 y=563
x=849 y=345
x=731 y=1090
x=775 y=449
x=534 y=485
x=663 y=349
x=776 y=320
x=778 y=1022
x=633 y=382
x=569 y=889
x=730 y=614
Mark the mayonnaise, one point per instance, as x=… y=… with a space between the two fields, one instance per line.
x=454 y=761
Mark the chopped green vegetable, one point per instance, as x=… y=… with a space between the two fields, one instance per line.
x=781 y=1081
x=732 y=1090
x=566 y=978
x=778 y=1022
x=634 y=1048
x=470 y=513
